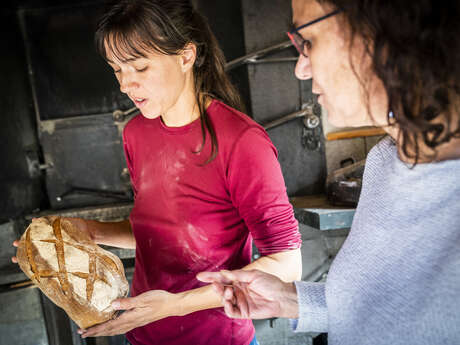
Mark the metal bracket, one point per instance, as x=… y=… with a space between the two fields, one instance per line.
x=311 y=135
x=120 y=115
x=306 y=112
x=311 y=138
x=256 y=57
x=33 y=164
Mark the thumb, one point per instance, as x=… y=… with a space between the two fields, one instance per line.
x=212 y=277
x=242 y=276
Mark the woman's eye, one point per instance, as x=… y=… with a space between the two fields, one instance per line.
x=307 y=44
x=141 y=69
x=117 y=71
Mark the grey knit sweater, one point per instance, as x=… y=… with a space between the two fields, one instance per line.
x=396 y=279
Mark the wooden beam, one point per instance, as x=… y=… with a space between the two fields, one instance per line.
x=355 y=133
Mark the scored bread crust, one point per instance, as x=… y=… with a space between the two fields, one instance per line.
x=72 y=270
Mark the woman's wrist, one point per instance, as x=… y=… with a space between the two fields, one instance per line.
x=195 y=300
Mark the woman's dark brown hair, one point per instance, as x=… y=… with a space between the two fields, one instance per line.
x=415 y=51
x=132 y=28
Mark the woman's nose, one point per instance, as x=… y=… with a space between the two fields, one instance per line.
x=127 y=84
x=303 y=68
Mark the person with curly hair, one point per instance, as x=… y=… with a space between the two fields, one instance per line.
x=396 y=280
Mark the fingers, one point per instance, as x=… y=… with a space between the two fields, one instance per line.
x=120 y=325
x=231 y=310
x=240 y=275
x=228 y=277
x=104 y=329
x=14 y=259
x=241 y=299
x=235 y=302
x=212 y=277
x=208 y=277
x=218 y=281
x=218 y=288
x=228 y=293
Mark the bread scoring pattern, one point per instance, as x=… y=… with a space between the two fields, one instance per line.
x=72 y=270
x=62 y=274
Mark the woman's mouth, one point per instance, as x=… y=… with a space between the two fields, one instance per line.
x=139 y=102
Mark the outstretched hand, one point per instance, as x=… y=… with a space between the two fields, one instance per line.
x=253 y=294
x=140 y=310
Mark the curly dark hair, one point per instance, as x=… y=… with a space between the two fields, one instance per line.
x=415 y=51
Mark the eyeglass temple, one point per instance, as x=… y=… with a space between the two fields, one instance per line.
x=333 y=13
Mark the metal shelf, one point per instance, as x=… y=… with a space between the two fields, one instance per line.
x=317 y=212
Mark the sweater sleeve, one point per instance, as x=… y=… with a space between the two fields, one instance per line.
x=257 y=190
x=313 y=314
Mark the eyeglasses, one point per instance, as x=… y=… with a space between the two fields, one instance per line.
x=302 y=45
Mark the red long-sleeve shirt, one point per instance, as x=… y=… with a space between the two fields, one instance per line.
x=189 y=217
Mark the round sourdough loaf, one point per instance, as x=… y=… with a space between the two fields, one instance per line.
x=73 y=271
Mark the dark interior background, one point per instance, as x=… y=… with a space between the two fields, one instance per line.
x=57 y=97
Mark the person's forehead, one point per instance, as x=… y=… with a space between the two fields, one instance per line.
x=120 y=56
x=305 y=11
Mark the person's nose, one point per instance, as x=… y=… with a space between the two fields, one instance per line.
x=303 y=68
x=127 y=83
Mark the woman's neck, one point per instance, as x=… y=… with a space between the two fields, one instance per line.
x=183 y=112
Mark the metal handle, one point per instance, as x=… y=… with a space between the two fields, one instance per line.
x=256 y=57
x=120 y=115
x=307 y=112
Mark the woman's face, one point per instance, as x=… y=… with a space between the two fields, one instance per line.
x=154 y=83
x=328 y=65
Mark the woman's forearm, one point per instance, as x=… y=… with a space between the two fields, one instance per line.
x=197 y=299
x=285 y=265
x=115 y=234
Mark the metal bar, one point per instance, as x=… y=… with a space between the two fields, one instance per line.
x=273 y=60
x=301 y=113
x=257 y=55
x=93 y=192
x=120 y=115
x=117 y=115
x=30 y=70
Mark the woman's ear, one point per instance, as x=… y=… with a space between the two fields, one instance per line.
x=188 y=57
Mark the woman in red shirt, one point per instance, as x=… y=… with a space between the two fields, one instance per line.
x=205 y=177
